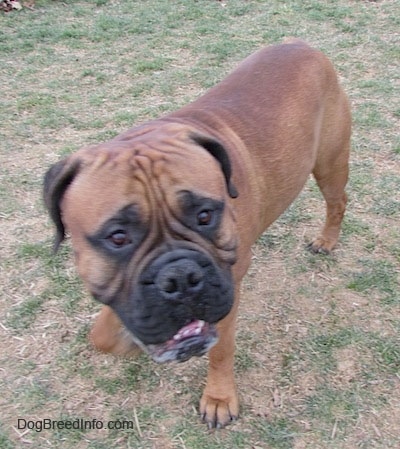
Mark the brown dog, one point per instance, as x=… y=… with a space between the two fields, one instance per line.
x=162 y=217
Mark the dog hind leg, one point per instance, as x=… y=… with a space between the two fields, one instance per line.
x=331 y=173
x=332 y=181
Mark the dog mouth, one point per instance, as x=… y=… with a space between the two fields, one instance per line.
x=192 y=340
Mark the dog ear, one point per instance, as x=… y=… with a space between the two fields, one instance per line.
x=56 y=181
x=218 y=151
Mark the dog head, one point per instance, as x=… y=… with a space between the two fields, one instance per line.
x=153 y=232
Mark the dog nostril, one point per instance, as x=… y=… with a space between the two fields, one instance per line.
x=195 y=278
x=170 y=286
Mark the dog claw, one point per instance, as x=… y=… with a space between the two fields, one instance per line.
x=211 y=424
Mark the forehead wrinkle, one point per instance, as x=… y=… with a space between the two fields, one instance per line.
x=148 y=171
x=161 y=209
x=155 y=167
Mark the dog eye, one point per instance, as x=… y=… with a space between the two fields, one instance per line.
x=204 y=217
x=119 y=239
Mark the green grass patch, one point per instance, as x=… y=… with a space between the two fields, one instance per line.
x=5 y=441
x=381 y=276
x=334 y=409
x=277 y=433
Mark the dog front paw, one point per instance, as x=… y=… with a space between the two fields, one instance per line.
x=219 y=412
x=321 y=246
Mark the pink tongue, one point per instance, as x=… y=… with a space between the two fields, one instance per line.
x=190 y=330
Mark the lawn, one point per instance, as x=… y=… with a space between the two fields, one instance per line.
x=318 y=346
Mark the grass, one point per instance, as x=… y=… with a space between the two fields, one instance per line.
x=318 y=344
x=379 y=275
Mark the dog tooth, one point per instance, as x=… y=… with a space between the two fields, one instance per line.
x=177 y=336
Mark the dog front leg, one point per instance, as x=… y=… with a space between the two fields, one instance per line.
x=219 y=404
x=108 y=334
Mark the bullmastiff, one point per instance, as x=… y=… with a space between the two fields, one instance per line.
x=162 y=218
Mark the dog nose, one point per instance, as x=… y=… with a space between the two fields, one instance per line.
x=180 y=279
